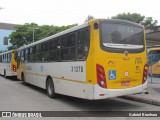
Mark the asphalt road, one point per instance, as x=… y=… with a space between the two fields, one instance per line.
x=14 y=96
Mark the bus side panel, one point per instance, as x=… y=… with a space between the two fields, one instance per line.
x=7 y=67
x=1 y=68
x=69 y=77
x=21 y=69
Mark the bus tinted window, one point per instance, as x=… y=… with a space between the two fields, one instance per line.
x=55 y=44
x=68 y=40
x=68 y=51
x=9 y=57
x=83 y=44
x=122 y=36
x=45 y=46
x=38 y=49
x=68 y=54
x=26 y=55
x=82 y=52
x=45 y=56
x=31 y=55
x=54 y=55
x=38 y=57
x=0 y=58
x=83 y=36
x=31 y=50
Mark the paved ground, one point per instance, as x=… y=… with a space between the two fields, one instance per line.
x=155 y=80
x=154 y=93
x=14 y=96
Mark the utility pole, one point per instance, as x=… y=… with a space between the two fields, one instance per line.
x=33 y=29
x=1 y=8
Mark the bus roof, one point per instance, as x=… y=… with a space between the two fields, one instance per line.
x=6 y=52
x=55 y=35
x=74 y=29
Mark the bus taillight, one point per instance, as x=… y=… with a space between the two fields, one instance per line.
x=101 y=78
x=145 y=72
x=14 y=68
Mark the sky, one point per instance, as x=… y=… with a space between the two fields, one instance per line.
x=67 y=12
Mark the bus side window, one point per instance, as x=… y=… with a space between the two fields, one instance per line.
x=5 y=58
x=38 y=55
x=83 y=44
x=45 y=52
x=0 y=58
x=26 y=56
x=68 y=51
x=55 y=50
x=23 y=56
x=31 y=55
x=10 y=57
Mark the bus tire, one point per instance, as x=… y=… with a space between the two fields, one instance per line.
x=23 y=79
x=5 y=74
x=50 y=88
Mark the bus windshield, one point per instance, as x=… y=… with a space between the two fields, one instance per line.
x=122 y=36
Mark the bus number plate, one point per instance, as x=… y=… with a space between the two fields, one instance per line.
x=125 y=83
x=77 y=68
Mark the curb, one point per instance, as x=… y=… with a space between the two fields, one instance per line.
x=143 y=100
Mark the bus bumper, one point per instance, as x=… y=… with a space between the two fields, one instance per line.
x=101 y=93
x=11 y=73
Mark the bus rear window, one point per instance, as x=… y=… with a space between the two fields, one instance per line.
x=122 y=36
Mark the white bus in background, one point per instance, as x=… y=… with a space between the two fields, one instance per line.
x=8 y=64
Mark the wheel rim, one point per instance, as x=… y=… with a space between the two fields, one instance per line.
x=23 y=78
x=50 y=88
x=4 y=73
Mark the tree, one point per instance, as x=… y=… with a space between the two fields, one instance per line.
x=1 y=51
x=24 y=33
x=148 y=22
x=90 y=17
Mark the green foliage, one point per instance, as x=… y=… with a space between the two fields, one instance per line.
x=148 y=22
x=10 y=48
x=24 y=33
x=1 y=51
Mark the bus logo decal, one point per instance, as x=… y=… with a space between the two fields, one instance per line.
x=112 y=74
x=126 y=73
x=41 y=68
x=111 y=63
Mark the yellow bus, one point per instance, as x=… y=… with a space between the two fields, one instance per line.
x=154 y=61
x=99 y=59
x=8 y=65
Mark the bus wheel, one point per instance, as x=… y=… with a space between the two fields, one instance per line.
x=50 y=88
x=5 y=74
x=23 y=79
